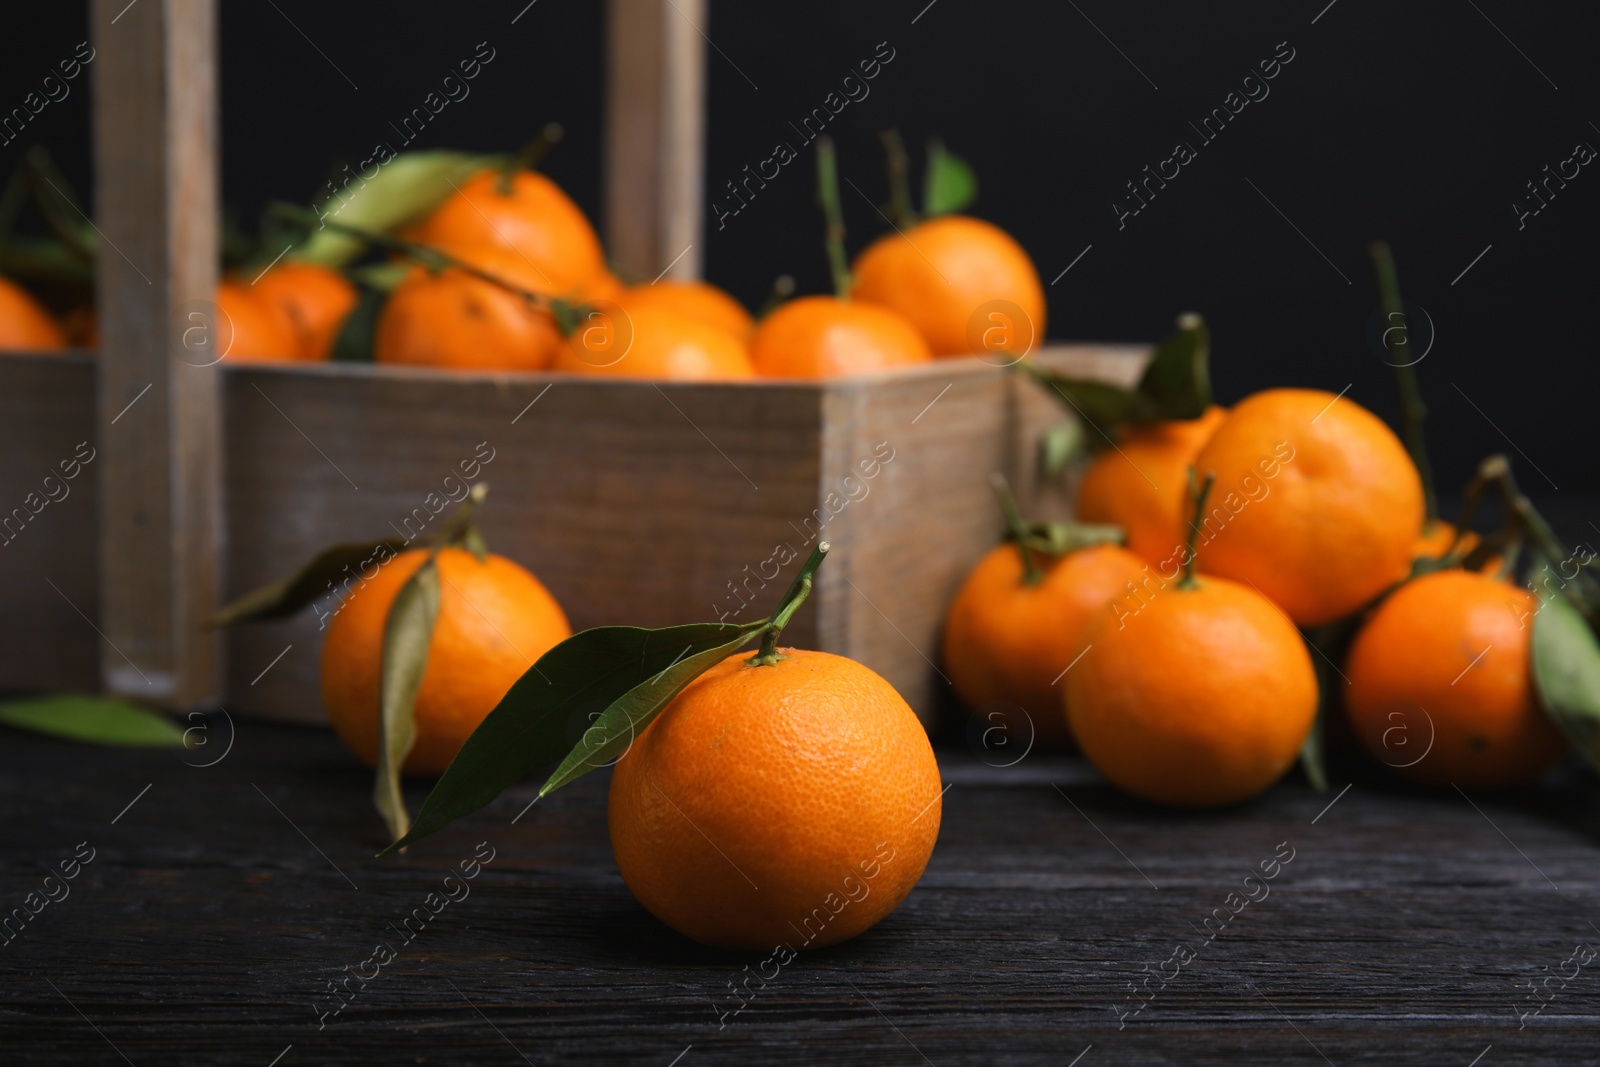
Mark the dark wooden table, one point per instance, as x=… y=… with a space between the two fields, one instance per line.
x=221 y=901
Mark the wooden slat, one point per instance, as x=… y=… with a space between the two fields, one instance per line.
x=155 y=129
x=655 y=135
x=48 y=543
x=634 y=503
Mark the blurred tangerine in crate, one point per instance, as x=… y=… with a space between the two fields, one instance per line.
x=24 y=323
x=249 y=329
x=451 y=318
x=942 y=272
x=313 y=299
x=829 y=337
x=527 y=213
x=696 y=300
x=651 y=342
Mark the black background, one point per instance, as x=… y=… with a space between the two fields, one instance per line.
x=1419 y=123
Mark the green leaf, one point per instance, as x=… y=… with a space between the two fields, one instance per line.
x=949 y=185
x=1177 y=380
x=404 y=190
x=1058 y=445
x=282 y=599
x=1566 y=671
x=407 y=632
x=354 y=341
x=1327 y=646
x=554 y=701
x=1101 y=406
x=93 y=719
x=627 y=716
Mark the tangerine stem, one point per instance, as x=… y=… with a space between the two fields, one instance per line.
x=1413 y=412
x=799 y=589
x=1032 y=573
x=1199 y=494
x=828 y=197
x=531 y=156
x=898 y=166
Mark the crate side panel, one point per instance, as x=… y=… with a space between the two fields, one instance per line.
x=1033 y=410
x=49 y=565
x=906 y=536
x=632 y=503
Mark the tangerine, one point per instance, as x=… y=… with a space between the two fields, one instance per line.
x=313 y=298
x=24 y=323
x=652 y=342
x=532 y=216
x=249 y=329
x=1201 y=697
x=1317 y=503
x=825 y=337
x=451 y=318
x=1440 y=687
x=1007 y=643
x=942 y=271
x=1140 y=485
x=701 y=301
x=495 y=620
x=792 y=804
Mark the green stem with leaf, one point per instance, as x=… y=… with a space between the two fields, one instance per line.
x=1032 y=573
x=799 y=589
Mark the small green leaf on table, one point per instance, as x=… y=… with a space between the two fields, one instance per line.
x=1566 y=670
x=93 y=719
x=407 y=632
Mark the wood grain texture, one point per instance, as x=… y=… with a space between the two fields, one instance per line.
x=155 y=133
x=48 y=538
x=634 y=502
x=655 y=135
x=1406 y=929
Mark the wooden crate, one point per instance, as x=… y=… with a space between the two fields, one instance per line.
x=635 y=502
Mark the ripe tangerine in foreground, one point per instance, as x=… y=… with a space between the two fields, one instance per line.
x=1440 y=687
x=1201 y=697
x=495 y=620
x=792 y=803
